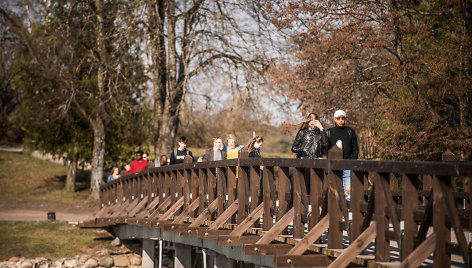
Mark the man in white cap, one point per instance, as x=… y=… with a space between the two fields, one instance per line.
x=345 y=138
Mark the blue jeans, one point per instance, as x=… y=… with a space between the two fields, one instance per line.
x=347 y=183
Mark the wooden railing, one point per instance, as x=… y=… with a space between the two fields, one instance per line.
x=268 y=209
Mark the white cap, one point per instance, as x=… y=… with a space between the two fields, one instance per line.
x=339 y=112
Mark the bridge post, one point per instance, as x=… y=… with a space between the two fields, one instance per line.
x=149 y=253
x=335 y=195
x=183 y=255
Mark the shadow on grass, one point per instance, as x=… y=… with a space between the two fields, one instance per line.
x=82 y=181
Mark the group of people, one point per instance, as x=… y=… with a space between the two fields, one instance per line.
x=311 y=142
x=218 y=152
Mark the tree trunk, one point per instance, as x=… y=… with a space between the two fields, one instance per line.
x=96 y=120
x=72 y=172
x=98 y=157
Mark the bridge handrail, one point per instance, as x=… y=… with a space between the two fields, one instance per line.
x=419 y=194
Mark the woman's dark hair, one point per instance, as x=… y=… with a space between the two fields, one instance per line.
x=311 y=116
x=250 y=146
x=161 y=160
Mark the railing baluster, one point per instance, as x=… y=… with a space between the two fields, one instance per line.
x=382 y=244
x=298 y=226
x=268 y=177
x=442 y=256
x=316 y=192
x=409 y=206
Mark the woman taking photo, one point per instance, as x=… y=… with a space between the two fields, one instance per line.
x=311 y=141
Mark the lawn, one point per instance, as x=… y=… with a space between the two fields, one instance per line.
x=27 y=179
x=49 y=239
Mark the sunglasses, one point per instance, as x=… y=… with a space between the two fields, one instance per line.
x=340 y=118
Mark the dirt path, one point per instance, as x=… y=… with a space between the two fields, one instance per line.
x=40 y=215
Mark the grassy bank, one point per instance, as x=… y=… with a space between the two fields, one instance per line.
x=49 y=239
x=27 y=179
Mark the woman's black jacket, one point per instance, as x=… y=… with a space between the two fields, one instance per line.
x=310 y=143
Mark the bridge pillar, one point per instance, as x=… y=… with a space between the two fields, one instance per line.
x=149 y=253
x=183 y=255
x=222 y=261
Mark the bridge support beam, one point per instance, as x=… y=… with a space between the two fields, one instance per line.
x=149 y=253
x=183 y=256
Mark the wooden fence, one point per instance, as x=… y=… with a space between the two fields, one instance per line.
x=295 y=209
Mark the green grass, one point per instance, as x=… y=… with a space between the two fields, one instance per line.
x=47 y=239
x=24 y=178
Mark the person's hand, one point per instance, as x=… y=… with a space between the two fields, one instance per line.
x=319 y=125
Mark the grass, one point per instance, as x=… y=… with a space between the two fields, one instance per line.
x=48 y=239
x=27 y=179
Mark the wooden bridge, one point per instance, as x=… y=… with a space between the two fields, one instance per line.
x=401 y=214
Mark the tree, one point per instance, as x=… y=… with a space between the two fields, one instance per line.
x=186 y=38
x=85 y=64
x=394 y=65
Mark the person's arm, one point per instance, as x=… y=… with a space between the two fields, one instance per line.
x=205 y=156
x=296 y=146
x=190 y=153
x=324 y=142
x=172 y=158
x=355 y=146
x=131 y=167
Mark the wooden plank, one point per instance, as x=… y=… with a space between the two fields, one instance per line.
x=313 y=260
x=237 y=240
x=162 y=207
x=423 y=251
x=255 y=189
x=203 y=216
x=194 y=185
x=278 y=228
x=242 y=193
x=409 y=205
x=220 y=192
x=172 y=210
x=314 y=234
x=186 y=184
x=382 y=244
x=225 y=216
x=284 y=186
x=390 y=205
x=187 y=212
x=211 y=180
x=211 y=234
x=298 y=226
x=316 y=191
x=268 y=181
x=232 y=194
x=456 y=223
x=202 y=190
x=442 y=256
x=139 y=207
x=246 y=224
x=361 y=242
x=266 y=249
x=335 y=234
x=357 y=197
